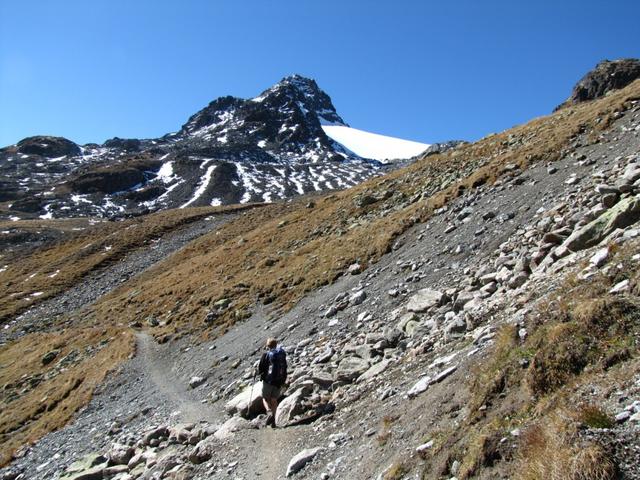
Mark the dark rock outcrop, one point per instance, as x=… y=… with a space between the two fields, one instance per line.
x=49 y=147
x=607 y=76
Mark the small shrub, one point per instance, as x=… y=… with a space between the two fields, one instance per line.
x=594 y=417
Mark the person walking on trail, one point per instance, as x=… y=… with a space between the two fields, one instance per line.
x=273 y=373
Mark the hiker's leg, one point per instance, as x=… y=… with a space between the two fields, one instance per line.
x=267 y=407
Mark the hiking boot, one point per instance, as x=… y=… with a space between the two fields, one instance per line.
x=271 y=421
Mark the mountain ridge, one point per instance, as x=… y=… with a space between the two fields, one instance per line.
x=233 y=150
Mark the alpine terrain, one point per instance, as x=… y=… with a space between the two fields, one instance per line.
x=472 y=313
x=270 y=147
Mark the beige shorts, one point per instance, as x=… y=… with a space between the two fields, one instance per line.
x=270 y=391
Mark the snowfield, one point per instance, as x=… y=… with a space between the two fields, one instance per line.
x=372 y=145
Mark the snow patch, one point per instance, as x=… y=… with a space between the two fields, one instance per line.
x=203 y=185
x=372 y=145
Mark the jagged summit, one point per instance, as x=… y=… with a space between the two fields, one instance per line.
x=306 y=94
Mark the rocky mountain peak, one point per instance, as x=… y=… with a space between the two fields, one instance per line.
x=305 y=94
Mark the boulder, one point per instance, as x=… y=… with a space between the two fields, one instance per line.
x=374 y=370
x=291 y=406
x=204 y=450
x=240 y=403
x=231 y=426
x=424 y=300
x=120 y=454
x=625 y=213
x=351 y=368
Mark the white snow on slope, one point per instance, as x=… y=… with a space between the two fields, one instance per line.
x=203 y=184
x=372 y=145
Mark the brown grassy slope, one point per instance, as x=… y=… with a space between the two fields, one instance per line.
x=53 y=269
x=285 y=257
x=38 y=398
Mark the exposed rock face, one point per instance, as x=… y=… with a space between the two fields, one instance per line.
x=607 y=76
x=47 y=146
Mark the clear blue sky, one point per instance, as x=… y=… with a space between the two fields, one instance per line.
x=421 y=70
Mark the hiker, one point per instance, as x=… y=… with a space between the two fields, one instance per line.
x=273 y=373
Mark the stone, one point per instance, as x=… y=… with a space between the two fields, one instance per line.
x=620 y=287
x=232 y=426
x=374 y=370
x=120 y=454
x=49 y=357
x=354 y=269
x=204 y=450
x=321 y=378
x=91 y=465
x=600 y=257
x=419 y=387
x=518 y=280
x=405 y=320
x=196 y=381
x=240 y=403
x=444 y=374
x=358 y=297
x=351 y=368
x=424 y=300
x=301 y=459
x=456 y=325
x=623 y=417
x=625 y=213
x=291 y=406
x=609 y=200
x=155 y=434
x=424 y=447
x=324 y=356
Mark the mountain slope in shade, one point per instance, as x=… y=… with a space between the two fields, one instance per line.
x=373 y=145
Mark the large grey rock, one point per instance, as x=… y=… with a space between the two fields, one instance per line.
x=351 y=368
x=425 y=299
x=120 y=454
x=240 y=403
x=301 y=459
x=291 y=406
x=231 y=426
x=625 y=213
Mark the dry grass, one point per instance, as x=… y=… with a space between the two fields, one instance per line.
x=53 y=269
x=552 y=450
x=37 y=398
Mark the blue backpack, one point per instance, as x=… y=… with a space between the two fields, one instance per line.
x=277 y=367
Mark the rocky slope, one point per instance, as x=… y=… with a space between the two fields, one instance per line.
x=232 y=151
x=493 y=335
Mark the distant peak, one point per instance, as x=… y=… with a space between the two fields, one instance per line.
x=307 y=94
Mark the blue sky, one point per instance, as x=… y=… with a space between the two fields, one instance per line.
x=421 y=70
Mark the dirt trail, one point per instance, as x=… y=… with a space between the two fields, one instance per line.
x=158 y=368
